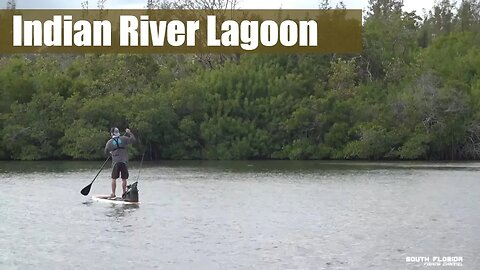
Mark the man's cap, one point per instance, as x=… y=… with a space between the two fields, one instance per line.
x=114 y=131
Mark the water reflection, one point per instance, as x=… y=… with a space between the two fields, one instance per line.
x=234 y=166
x=223 y=216
x=120 y=211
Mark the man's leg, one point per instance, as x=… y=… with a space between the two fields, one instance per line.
x=114 y=186
x=124 y=171
x=124 y=185
x=115 y=176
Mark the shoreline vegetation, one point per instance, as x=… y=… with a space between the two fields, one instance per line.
x=413 y=94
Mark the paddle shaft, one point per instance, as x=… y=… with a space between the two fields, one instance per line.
x=86 y=189
x=103 y=165
x=141 y=164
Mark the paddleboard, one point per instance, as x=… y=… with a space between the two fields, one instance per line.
x=117 y=200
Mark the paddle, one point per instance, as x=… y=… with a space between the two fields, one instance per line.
x=86 y=189
x=141 y=164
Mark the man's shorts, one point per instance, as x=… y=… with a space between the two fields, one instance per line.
x=120 y=169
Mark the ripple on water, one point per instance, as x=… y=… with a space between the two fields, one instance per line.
x=254 y=217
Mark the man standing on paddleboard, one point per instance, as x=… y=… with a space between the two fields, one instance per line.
x=117 y=146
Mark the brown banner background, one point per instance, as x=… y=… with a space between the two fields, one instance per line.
x=339 y=31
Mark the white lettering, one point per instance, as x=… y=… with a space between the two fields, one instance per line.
x=67 y=31
x=212 y=40
x=308 y=33
x=128 y=31
x=176 y=33
x=102 y=33
x=288 y=33
x=158 y=32
x=17 y=31
x=83 y=36
x=32 y=35
x=230 y=36
x=52 y=32
x=61 y=31
x=192 y=28
x=269 y=33
x=249 y=35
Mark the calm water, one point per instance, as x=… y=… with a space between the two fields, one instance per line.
x=241 y=215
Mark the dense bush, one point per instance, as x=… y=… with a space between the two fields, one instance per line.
x=414 y=93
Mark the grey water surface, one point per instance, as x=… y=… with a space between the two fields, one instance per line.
x=241 y=215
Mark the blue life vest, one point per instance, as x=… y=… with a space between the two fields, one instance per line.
x=117 y=142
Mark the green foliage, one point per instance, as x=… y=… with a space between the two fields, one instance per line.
x=415 y=147
x=32 y=130
x=413 y=93
x=82 y=141
x=375 y=143
x=343 y=75
x=16 y=82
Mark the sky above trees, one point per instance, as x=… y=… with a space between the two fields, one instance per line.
x=127 y=4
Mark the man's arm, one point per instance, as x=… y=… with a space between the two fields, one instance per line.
x=131 y=138
x=107 y=149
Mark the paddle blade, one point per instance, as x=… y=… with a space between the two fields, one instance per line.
x=86 y=190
